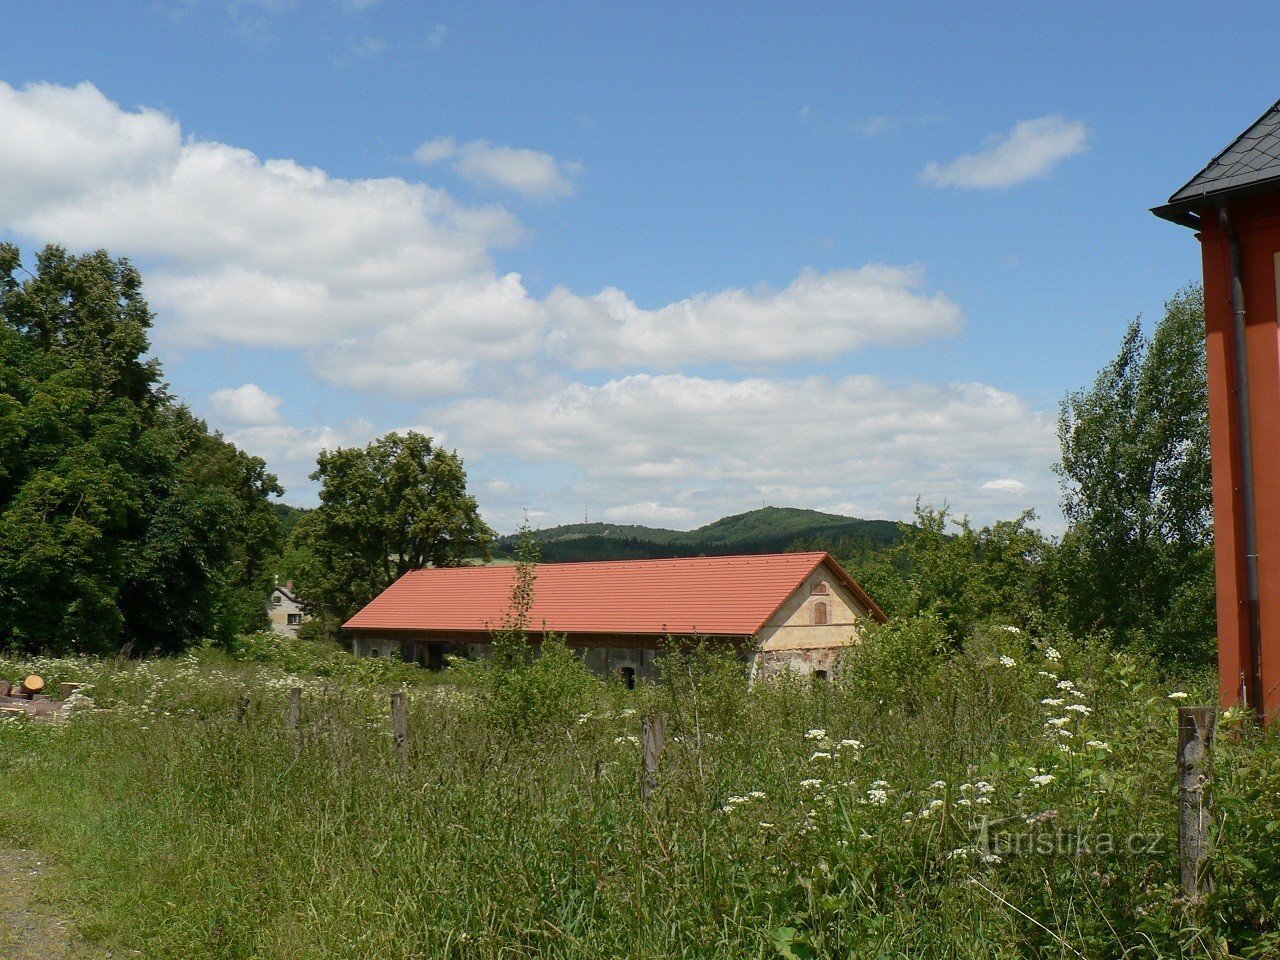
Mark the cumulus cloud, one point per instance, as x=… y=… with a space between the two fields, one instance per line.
x=650 y=513
x=816 y=315
x=376 y=280
x=248 y=405
x=1006 y=485
x=529 y=173
x=1027 y=152
x=709 y=446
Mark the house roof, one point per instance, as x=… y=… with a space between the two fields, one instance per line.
x=1251 y=163
x=720 y=596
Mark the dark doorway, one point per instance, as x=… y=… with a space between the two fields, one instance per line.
x=628 y=675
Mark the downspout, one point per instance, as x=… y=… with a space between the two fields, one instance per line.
x=1252 y=690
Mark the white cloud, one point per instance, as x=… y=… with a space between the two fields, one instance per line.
x=248 y=405
x=1006 y=485
x=710 y=447
x=816 y=315
x=435 y=39
x=378 y=281
x=1028 y=152
x=529 y=173
x=650 y=513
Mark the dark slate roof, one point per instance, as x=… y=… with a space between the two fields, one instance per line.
x=1250 y=162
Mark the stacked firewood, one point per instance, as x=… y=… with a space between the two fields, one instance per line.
x=33 y=688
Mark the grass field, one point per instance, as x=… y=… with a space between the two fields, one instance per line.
x=790 y=821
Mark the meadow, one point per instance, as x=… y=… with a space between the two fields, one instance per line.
x=791 y=820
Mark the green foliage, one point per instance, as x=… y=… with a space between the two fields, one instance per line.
x=1137 y=559
x=399 y=504
x=321 y=658
x=123 y=520
x=957 y=575
x=523 y=688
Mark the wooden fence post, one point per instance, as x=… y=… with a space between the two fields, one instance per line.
x=400 y=724
x=1196 y=728
x=652 y=735
x=295 y=707
x=242 y=708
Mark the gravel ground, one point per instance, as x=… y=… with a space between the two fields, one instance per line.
x=28 y=931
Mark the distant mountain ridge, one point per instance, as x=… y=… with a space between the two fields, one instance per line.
x=767 y=530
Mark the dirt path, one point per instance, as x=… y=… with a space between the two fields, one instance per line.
x=28 y=931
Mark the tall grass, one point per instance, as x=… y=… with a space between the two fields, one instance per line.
x=792 y=820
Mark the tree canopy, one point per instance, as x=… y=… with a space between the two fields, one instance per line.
x=1137 y=558
x=123 y=519
x=396 y=505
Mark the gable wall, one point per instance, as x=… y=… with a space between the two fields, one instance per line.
x=792 y=627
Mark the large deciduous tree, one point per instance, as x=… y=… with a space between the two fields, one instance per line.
x=1137 y=558
x=399 y=504
x=123 y=520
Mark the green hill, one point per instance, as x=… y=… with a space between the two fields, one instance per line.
x=767 y=530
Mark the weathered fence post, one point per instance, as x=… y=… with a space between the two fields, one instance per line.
x=295 y=707
x=652 y=735
x=400 y=724
x=1196 y=728
x=242 y=708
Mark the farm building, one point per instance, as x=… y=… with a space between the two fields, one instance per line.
x=285 y=610
x=789 y=611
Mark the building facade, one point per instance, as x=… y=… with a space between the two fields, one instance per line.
x=784 y=613
x=285 y=610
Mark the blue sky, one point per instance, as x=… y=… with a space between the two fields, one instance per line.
x=653 y=264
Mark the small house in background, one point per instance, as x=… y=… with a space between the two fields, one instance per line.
x=285 y=610
x=783 y=612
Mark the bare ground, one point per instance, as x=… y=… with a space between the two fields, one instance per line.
x=28 y=929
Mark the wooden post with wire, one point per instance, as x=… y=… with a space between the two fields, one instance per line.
x=400 y=724
x=652 y=736
x=1196 y=730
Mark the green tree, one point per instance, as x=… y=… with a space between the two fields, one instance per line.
x=399 y=504
x=959 y=575
x=122 y=519
x=1137 y=558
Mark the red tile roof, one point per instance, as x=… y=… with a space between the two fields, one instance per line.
x=721 y=596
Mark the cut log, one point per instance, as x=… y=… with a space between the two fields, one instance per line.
x=41 y=696
x=33 y=684
x=67 y=689
x=5 y=687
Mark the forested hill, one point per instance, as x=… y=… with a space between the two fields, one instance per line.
x=767 y=530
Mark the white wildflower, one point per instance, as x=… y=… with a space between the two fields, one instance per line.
x=1057 y=721
x=816 y=734
x=1099 y=745
x=1053 y=701
x=1066 y=685
x=877 y=796
x=938 y=785
x=1080 y=708
x=811 y=784
x=767 y=826
x=879 y=785
x=851 y=744
x=1050 y=653
x=1006 y=661
x=1178 y=695
x=935 y=805
x=820 y=755
x=1043 y=780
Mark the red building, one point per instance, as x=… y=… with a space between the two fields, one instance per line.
x=1234 y=205
x=787 y=612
